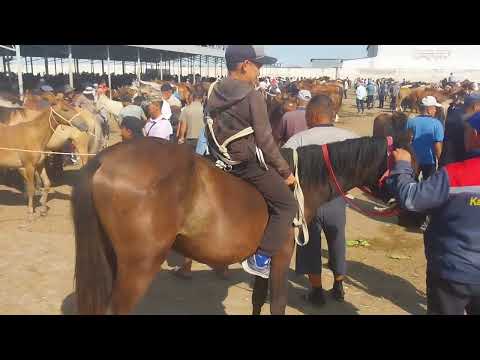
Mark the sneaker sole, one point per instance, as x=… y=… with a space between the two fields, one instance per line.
x=253 y=272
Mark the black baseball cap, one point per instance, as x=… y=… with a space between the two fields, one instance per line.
x=235 y=54
x=166 y=87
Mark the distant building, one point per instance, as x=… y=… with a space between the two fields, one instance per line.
x=416 y=62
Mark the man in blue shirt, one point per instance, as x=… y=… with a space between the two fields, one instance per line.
x=426 y=133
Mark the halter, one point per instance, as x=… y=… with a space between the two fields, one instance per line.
x=51 y=116
x=387 y=213
x=390 y=162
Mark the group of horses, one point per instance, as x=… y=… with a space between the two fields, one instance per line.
x=410 y=97
x=42 y=124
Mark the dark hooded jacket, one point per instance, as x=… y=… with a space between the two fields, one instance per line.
x=235 y=105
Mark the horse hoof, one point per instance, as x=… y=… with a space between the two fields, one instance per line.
x=182 y=274
x=43 y=210
x=223 y=275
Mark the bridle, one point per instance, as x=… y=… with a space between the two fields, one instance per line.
x=52 y=117
x=387 y=213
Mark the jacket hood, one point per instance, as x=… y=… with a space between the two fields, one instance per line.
x=228 y=92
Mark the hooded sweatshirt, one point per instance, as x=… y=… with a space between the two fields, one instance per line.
x=235 y=105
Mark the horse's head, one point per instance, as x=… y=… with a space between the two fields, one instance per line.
x=64 y=113
x=393 y=125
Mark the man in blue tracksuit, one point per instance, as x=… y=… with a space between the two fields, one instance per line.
x=451 y=197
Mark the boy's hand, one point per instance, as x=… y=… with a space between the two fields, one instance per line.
x=290 y=180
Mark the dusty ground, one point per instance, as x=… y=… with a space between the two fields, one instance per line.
x=37 y=262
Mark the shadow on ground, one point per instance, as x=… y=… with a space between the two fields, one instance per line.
x=11 y=198
x=379 y=284
x=205 y=293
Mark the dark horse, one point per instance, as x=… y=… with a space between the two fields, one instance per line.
x=395 y=125
x=163 y=196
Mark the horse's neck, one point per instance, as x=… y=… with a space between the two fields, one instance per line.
x=358 y=175
x=364 y=174
x=44 y=126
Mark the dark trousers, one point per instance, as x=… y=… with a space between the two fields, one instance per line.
x=393 y=103
x=345 y=93
x=330 y=217
x=192 y=143
x=445 y=297
x=427 y=170
x=360 y=105
x=369 y=101
x=381 y=100
x=282 y=205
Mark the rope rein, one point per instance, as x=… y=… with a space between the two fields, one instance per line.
x=46 y=152
x=299 y=220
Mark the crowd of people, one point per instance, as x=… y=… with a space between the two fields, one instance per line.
x=368 y=91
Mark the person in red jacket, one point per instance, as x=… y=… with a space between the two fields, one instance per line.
x=451 y=196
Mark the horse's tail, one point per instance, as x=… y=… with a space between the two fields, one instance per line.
x=95 y=261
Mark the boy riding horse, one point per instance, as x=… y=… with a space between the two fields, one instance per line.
x=240 y=138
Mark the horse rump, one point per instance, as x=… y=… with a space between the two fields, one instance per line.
x=95 y=260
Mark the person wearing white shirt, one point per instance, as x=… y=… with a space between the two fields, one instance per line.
x=263 y=84
x=167 y=95
x=361 y=93
x=158 y=125
x=166 y=110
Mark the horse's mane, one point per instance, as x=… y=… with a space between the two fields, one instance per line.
x=6 y=113
x=351 y=158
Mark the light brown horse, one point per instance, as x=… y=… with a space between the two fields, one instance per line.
x=163 y=196
x=33 y=136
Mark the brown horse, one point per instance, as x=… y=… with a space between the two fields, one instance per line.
x=33 y=136
x=277 y=106
x=163 y=196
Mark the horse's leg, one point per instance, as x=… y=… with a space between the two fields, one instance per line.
x=132 y=281
x=46 y=188
x=279 y=277
x=29 y=176
x=133 y=277
x=259 y=295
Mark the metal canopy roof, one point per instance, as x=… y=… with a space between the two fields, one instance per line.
x=148 y=53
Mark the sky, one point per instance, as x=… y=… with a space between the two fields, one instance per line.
x=300 y=55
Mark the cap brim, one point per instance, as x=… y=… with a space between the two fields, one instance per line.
x=265 y=60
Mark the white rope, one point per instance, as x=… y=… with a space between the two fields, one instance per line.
x=45 y=152
x=299 y=220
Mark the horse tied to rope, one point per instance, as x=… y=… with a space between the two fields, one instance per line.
x=163 y=196
x=23 y=146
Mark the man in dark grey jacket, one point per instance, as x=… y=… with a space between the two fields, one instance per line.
x=235 y=106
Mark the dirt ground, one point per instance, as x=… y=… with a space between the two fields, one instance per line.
x=37 y=262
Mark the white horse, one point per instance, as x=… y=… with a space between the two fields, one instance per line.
x=111 y=106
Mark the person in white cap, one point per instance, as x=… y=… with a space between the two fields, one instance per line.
x=427 y=135
x=294 y=121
